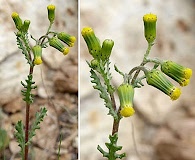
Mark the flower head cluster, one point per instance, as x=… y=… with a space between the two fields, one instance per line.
x=94 y=46
x=57 y=40
x=62 y=37
x=22 y=27
x=126 y=94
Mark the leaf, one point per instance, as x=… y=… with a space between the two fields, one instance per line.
x=26 y=92
x=23 y=44
x=103 y=93
x=112 y=148
x=36 y=124
x=20 y=136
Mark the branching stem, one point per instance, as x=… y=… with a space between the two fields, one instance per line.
x=143 y=62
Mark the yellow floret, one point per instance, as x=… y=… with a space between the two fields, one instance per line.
x=127 y=111
x=38 y=61
x=184 y=82
x=15 y=14
x=65 y=50
x=51 y=7
x=150 y=17
x=187 y=73
x=86 y=30
x=175 y=94
x=72 y=39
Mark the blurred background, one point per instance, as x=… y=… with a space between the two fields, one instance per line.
x=56 y=78
x=162 y=129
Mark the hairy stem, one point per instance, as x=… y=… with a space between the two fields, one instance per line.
x=27 y=123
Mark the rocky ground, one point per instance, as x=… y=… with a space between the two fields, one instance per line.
x=161 y=129
x=56 y=78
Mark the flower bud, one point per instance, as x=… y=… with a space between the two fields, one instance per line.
x=66 y=38
x=177 y=72
x=51 y=13
x=17 y=20
x=19 y=33
x=55 y=42
x=94 y=63
x=150 y=27
x=25 y=26
x=159 y=81
x=92 y=41
x=37 y=51
x=126 y=94
x=106 y=49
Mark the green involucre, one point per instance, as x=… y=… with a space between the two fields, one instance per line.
x=92 y=42
x=177 y=72
x=156 y=78
x=106 y=49
x=150 y=27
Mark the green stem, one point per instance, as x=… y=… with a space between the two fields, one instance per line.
x=143 y=62
x=46 y=35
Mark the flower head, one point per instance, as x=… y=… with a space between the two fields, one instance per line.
x=106 y=49
x=126 y=94
x=66 y=38
x=94 y=63
x=159 y=81
x=177 y=72
x=92 y=41
x=56 y=43
x=150 y=27
x=51 y=12
x=17 y=20
x=37 y=51
x=25 y=26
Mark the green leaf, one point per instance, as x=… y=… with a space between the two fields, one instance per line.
x=112 y=148
x=26 y=92
x=23 y=44
x=103 y=93
x=36 y=124
x=20 y=136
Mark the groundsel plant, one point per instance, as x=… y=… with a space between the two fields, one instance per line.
x=33 y=55
x=155 y=76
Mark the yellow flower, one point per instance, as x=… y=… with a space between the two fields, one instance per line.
x=127 y=111
x=65 y=50
x=159 y=81
x=175 y=93
x=177 y=72
x=66 y=38
x=51 y=12
x=92 y=42
x=37 y=60
x=126 y=94
x=37 y=51
x=17 y=20
x=150 y=27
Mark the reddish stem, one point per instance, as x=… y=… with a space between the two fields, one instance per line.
x=27 y=122
x=26 y=130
